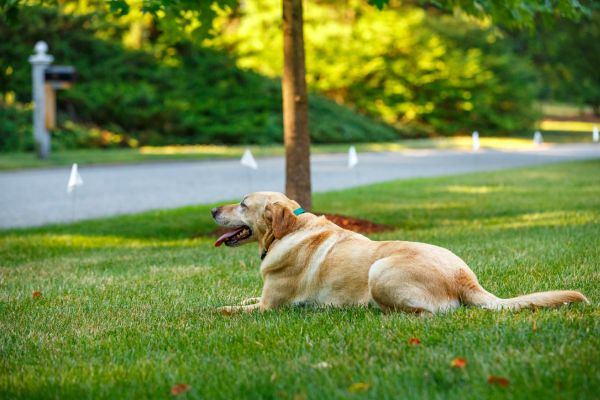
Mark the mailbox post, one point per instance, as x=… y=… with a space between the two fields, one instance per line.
x=45 y=82
x=56 y=78
x=39 y=62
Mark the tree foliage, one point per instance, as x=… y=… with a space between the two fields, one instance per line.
x=439 y=74
x=188 y=19
x=514 y=13
x=194 y=18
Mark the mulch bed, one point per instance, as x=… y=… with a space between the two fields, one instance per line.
x=355 y=224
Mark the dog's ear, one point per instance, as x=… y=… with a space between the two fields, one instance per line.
x=283 y=220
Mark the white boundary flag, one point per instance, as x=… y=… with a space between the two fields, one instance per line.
x=352 y=157
x=74 y=179
x=475 y=137
x=248 y=160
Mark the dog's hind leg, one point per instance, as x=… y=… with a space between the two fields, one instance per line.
x=397 y=284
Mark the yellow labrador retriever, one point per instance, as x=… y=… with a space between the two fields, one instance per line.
x=308 y=259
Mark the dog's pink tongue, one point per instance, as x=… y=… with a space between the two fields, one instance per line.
x=226 y=236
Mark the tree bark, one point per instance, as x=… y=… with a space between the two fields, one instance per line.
x=295 y=107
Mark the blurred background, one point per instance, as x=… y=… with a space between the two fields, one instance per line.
x=406 y=71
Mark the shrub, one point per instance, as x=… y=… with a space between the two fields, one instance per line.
x=15 y=127
x=179 y=95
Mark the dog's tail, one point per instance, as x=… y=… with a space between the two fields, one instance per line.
x=472 y=293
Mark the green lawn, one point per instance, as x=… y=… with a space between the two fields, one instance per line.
x=13 y=161
x=127 y=304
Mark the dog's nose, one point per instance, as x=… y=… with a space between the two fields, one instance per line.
x=214 y=211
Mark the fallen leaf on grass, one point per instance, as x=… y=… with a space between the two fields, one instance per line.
x=498 y=380
x=415 y=341
x=458 y=362
x=225 y=311
x=36 y=294
x=179 y=388
x=358 y=387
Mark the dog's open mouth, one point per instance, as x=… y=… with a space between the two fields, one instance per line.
x=234 y=237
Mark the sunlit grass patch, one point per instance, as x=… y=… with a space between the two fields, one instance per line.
x=568 y=126
x=475 y=189
x=528 y=220
x=189 y=149
x=466 y=142
x=208 y=150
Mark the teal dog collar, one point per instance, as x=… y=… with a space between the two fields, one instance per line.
x=299 y=211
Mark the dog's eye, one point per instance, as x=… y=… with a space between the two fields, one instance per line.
x=243 y=205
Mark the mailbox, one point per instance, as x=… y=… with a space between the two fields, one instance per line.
x=56 y=78
x=60 y=76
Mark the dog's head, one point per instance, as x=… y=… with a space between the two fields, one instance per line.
x=260 y=216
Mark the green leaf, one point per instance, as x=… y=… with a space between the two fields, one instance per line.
x=379 y=3
x=119 y=7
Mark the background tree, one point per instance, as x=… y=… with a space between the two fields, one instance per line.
x=295 y=106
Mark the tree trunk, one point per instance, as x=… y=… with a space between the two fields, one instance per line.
x=295 y=107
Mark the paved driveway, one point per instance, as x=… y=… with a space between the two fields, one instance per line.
x=37 y=197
